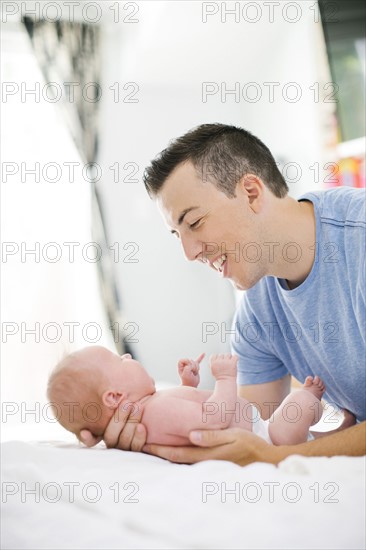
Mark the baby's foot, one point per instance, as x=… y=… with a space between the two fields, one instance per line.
x=315 y=386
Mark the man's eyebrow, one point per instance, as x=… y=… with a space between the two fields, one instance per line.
x=181 y=217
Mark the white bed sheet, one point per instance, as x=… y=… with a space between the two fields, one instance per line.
x=318 y=502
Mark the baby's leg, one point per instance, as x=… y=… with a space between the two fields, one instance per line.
x=290 y=423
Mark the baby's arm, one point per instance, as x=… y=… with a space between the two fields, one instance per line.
x=223 y=403
x=177 y=416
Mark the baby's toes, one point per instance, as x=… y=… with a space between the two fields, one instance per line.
x=308 y=381
x=318 y=382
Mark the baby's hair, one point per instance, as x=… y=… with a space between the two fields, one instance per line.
x=61 y=369
x=74 y=390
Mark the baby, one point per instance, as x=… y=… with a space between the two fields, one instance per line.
x=87 y=387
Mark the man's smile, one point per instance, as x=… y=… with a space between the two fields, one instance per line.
x=218 y=264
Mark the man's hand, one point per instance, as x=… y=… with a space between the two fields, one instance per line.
x=124 y=430
x=223 y=365
x=189 y=371
x=233 y=444
x=242 y=447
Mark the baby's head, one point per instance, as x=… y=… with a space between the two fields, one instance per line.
x=87 y=386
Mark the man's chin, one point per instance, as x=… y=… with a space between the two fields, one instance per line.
x=237 y=286
x=243 y=285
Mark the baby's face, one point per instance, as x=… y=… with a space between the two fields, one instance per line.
x=128 y=376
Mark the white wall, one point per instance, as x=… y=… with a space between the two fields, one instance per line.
x=168 y=54
x=37 y=293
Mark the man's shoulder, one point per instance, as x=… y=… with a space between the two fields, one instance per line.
x=339 y=205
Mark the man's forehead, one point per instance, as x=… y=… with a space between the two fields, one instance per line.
x=182 y=191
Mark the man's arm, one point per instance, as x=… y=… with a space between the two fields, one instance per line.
x=267 y=397
x=243 y=447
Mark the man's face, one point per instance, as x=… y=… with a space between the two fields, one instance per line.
x=212 y=227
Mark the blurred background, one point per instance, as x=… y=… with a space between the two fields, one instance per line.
x=91 y=92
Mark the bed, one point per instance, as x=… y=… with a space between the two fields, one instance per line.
x=58 y=495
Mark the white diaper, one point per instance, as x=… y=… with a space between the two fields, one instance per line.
x=261 y=427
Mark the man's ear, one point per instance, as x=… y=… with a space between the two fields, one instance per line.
x=112 y=399
x=253 y=187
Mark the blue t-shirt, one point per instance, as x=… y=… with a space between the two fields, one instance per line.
x=320 y=326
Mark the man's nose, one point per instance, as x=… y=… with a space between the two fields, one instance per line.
x=192 y=248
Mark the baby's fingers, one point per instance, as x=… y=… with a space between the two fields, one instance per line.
x=199 y=358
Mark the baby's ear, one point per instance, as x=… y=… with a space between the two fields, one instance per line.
x=112 y=399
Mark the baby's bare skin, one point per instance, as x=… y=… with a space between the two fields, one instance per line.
x=170 y=415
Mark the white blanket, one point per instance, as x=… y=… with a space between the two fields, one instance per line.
x=114 y=499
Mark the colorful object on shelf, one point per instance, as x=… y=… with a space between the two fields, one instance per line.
x=350 y=173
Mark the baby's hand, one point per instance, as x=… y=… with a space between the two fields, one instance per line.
x=189 y=371
x=223 y=365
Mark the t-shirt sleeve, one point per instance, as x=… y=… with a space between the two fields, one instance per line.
x=257 y=363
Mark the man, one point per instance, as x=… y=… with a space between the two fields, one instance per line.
x=302 y=265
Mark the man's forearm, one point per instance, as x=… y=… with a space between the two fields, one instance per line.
x=244 y=447
x=348 y=442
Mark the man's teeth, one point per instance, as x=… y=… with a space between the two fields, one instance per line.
x=219 y=262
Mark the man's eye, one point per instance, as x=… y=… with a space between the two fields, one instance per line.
x=193 y=225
